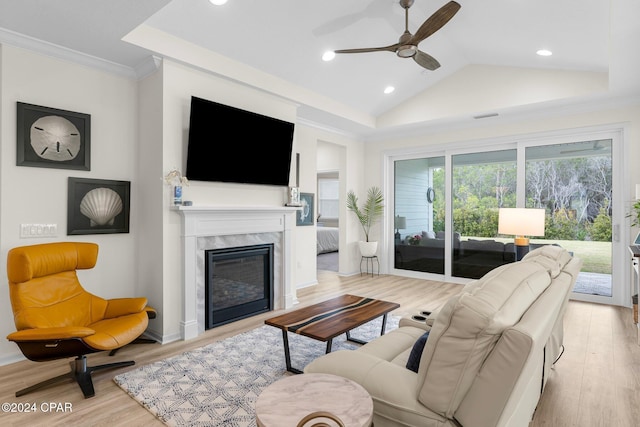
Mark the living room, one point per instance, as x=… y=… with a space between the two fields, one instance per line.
x=138 y=134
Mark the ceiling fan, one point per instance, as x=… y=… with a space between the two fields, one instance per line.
x=407 y=46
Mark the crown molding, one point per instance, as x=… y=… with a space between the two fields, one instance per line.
x=12 y=38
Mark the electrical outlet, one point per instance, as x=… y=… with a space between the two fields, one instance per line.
x=38 y=230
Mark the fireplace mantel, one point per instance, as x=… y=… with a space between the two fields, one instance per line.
x=210 y=221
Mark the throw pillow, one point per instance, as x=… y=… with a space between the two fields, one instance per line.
x=413 y=363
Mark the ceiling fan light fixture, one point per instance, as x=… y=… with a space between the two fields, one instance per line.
x=407 y=51
x=328 y=55
x=217 y=2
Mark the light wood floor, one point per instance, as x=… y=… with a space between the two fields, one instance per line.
x=595 y=383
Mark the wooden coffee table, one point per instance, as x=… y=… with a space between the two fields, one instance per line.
x=326 y=320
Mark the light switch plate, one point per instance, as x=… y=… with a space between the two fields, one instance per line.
x=38 y=230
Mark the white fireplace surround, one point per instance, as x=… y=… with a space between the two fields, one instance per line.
x=206 y=227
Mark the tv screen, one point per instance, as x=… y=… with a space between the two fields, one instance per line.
x=227 y=144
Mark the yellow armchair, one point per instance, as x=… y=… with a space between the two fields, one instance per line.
x=56 y=318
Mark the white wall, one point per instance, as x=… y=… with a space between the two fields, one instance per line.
x=39 y=195
x=150 y=234
x=305 y=237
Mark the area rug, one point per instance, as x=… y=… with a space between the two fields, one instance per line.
x=218 y=385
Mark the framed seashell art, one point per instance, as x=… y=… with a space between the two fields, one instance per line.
x=98 y=206
x=53 y=138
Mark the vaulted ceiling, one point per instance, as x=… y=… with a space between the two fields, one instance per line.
x=487 y=52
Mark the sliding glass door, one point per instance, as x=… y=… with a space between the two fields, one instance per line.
x=446 y=208
x=482 y=183
x=573 y=182
x=419 y=217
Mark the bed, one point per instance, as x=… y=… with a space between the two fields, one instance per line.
x=327 y=239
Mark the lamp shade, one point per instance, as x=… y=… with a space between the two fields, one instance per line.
x=400 y=222
x=521 y=221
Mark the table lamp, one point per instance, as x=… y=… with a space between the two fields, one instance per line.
x=400 y=223
x=521 y=222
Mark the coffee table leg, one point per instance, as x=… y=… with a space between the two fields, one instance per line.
x=359 y=341
x=384 y=324
x=329 y=344
x=287 y=354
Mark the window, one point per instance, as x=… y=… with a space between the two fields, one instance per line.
x=328 y=198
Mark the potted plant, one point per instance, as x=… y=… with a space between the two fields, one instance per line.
x=635 y=215
x=367 y=215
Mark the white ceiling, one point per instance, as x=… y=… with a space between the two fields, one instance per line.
x=286 y=38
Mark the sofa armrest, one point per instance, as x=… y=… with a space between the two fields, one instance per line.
x=122 y=306
x=432 y=317
x=354 y=365
x=393 y=388
x=415 y=321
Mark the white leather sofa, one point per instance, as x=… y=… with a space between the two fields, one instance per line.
x=487 y=357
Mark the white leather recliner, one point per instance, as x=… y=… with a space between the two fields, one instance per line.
x=487 y=357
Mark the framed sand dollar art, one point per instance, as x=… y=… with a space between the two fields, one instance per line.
x=53 y=138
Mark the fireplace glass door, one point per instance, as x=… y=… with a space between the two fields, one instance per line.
x=239 y=283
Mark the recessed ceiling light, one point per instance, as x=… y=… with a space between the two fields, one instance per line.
x=389 y=89
x=544 y=52
x=328 y=55
x=217 y=2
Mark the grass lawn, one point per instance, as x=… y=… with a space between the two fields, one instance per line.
x=596 y=256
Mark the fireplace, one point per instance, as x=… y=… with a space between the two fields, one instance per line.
x=206 y=227
x=238 y=284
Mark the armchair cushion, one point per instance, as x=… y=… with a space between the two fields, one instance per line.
x=116 y=332
x=39 y=261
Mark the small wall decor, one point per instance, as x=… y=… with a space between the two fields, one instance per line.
x=98 y=206
x=175 y=179
x=305 y=215
x=53 y=138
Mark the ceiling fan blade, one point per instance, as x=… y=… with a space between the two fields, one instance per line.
x=425 y=60
x=435 y=22
x=391 y=48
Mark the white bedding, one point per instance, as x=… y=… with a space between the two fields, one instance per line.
x=327 y=239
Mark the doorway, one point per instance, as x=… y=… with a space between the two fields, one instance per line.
x=328 y=232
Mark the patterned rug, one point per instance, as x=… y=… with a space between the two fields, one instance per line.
x=217 y=385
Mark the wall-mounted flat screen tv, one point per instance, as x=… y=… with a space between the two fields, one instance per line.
x=228 y=144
